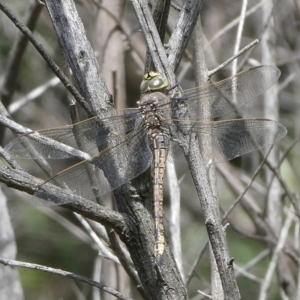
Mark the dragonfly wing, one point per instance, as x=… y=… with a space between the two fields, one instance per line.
x=92 y=134
x=105 y=172
x=237 y=137
x=232 y=138
x=227 y=95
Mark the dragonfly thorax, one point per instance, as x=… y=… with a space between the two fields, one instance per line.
x=149 y=107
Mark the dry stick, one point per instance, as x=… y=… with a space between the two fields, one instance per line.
x=210 y=73
x=246 y=274
x=9 y=159
x=115 y=244
x=154 y=44
x=125 y=259
x=247 y=187
x=54 y=67
x=242 y=62
x=73 y=40
x=39 y=47
x=234 y=22
x=7 y=122
x=190 y=274
x=22 y=181
x=37 y=92
x=27 y=32
x=271 y=111
x=16 y=55
x=287 y=150
x=262 y=225
x=160 y=13
x=209 y=206
x=254 y=261
x=87 y=208
x=101 y=247
x=228 y=61
x=204 y=294
x=290 y=195
x=19 y=183
x=176 y=7
x=224 y=64
x=43 y=139
x=201 y=77
x=239 y=34
x=277 y=175
x=138 y=57
x=183 y=30
x=280 y=244
x=14 y=263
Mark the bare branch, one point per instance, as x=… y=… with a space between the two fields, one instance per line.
x=54 y=67
x=14 y=263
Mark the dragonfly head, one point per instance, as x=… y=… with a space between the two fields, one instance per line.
x=153 y=81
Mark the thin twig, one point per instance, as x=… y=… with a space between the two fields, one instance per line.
x=228 y=61
x=246 y=189
x=14 y=263
x=37 y=92
x=234 y=22
x=239 y=34
x=280 y=244
x=253 y=261
x=154 y=44
x=54 y=67
x=190 y=274
x=16 y=55
x=10 y=160
x=204 y=294
x=183 y=31
x=101 y=247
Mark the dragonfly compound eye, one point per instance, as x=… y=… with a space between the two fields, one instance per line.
x=153 y=81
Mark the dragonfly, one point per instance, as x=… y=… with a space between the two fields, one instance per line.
x=117 y=147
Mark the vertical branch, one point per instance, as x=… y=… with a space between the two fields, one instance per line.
x=208 y=192
x=182 y=32
x=16 y=55
x=275 y=192
x=153 y=41
x=239 y=34
x=160 y=12
x=108 y=41
x=9 y=277
x=201 y=77
x=80 y=55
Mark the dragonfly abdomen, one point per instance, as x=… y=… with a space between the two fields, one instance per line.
x=159 y=144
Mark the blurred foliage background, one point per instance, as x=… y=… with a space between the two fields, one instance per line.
x=45 y=238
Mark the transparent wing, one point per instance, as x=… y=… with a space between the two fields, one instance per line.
x=232 y=138
x=227 y=95
x=105 y=172
x=93 y=134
